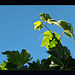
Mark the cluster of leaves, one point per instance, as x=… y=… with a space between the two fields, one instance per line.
x=60 y=57
x=16 y=60
x=67 y=27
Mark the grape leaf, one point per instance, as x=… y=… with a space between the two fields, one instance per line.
x=51 y=44
x=38 y=25
x=16 y=58
x=35 y=66
x=57 y=35
x=67 y=27
x=9 y=67
x=45 y=63
x=48 y=36
x=60 y=53
x=22 y=68
x=15 y=67
x=2 y=66
x=49 y=39
x=51 y=21
x=71 y=64
x=42 y=16
x=47 y=18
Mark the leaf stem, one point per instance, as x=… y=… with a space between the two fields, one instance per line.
x=62 y=35
x=46 y=26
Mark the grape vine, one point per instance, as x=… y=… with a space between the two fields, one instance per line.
x=60 y=57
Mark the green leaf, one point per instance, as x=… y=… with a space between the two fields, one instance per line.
x=71 y=64
x=68 y=35
x=11 y=66
x=70 y=27
x=2 y=66
x=42 y=16
x=48 y=36
x=22 y=68
x=44 y=41
x=49 y=39
x=47 y=18
x=45 y=63
x=57 y=35
x=35 y=66
x=59 y=54
x=16 y=58
x=51 y=21
x=38 y=61
x=38 y=25
x=67 y=27
x=53 y=43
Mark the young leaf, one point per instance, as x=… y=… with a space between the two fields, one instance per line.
x=57 y=35
x=2 y=65
x=42 y=16
x=49 y=39
x=44 y=41
x=38 y=61
x=38 y=25
x=48 y=36
x=53 y=43
x=47 y=18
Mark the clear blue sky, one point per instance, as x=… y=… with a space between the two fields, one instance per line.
x=17 y=29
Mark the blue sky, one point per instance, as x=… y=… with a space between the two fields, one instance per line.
x=17 y=29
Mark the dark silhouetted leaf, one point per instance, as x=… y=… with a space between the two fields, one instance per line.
x=16 y=58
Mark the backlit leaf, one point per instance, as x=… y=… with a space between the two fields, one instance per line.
x=47 y=18
x=51 y=21
x=2 y=65
x=48 y=34
x=49 y=39
x=67 y=27
x=42 y=16
x=38 y=25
